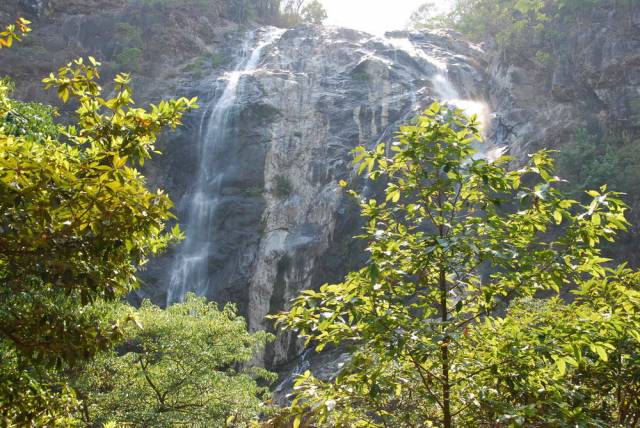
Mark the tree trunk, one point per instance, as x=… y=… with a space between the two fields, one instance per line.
x=446 y=387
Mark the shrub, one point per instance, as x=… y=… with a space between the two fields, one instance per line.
x=130 y=59
x=283 y=186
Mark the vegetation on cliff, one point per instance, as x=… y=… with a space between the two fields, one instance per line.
x=514 y=24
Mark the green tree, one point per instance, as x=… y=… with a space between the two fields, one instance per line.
x=295 y=12
x=182 y=365
x=314 y=13
x=77 y=222
x=429 y=15
x=447 y=249
x=130 y=43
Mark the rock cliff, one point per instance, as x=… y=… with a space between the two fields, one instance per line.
x=276 y=221
x=592 y=80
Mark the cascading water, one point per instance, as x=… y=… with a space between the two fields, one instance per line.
x=446 y=91
x=442 y=85
x=190 y=270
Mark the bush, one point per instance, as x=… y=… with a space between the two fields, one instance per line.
x=130 y=43
x=129 y=59
x=283 y=186
x=214 y=59
x=128 y=35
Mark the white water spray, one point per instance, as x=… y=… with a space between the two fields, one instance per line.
x=446 y=91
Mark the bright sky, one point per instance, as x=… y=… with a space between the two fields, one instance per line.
x=372 y=16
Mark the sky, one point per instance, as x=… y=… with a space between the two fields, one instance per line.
x=372 y=16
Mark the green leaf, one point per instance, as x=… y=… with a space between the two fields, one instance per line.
x=557 y=215
x=602 y=352
x=561 y=365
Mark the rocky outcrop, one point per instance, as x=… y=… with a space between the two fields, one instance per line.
x=281 y=223
x=592 y=81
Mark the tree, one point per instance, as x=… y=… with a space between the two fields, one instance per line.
x=77 y=222
x=430 y=15
x=314 y=13
x=295 y=12
x=293 y=7
x=182 y=365
x=516 y=25
x=454 y=240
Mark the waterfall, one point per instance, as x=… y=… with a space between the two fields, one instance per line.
x=442 y=85
x=444 y=88
x=190 y=270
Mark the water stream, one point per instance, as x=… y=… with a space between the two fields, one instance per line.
x=190 y=269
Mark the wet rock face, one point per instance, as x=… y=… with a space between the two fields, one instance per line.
x=35 y=7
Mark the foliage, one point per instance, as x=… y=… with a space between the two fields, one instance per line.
x=430 y=15
x=196 y=3
x=574 y=364
x=33 y=121
x=129 y=40
x=129 y=59
x=295 y=12
x=183 y=365
x=32 y=396
x=14 y=32
x=634 y=106
x=214 y=59
x=241 y=10
x=454 y=239
x=128 y=35
x=77 y=222
x=283 y=186
x=281 y=12
x=314 y=13
x=590 y=161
